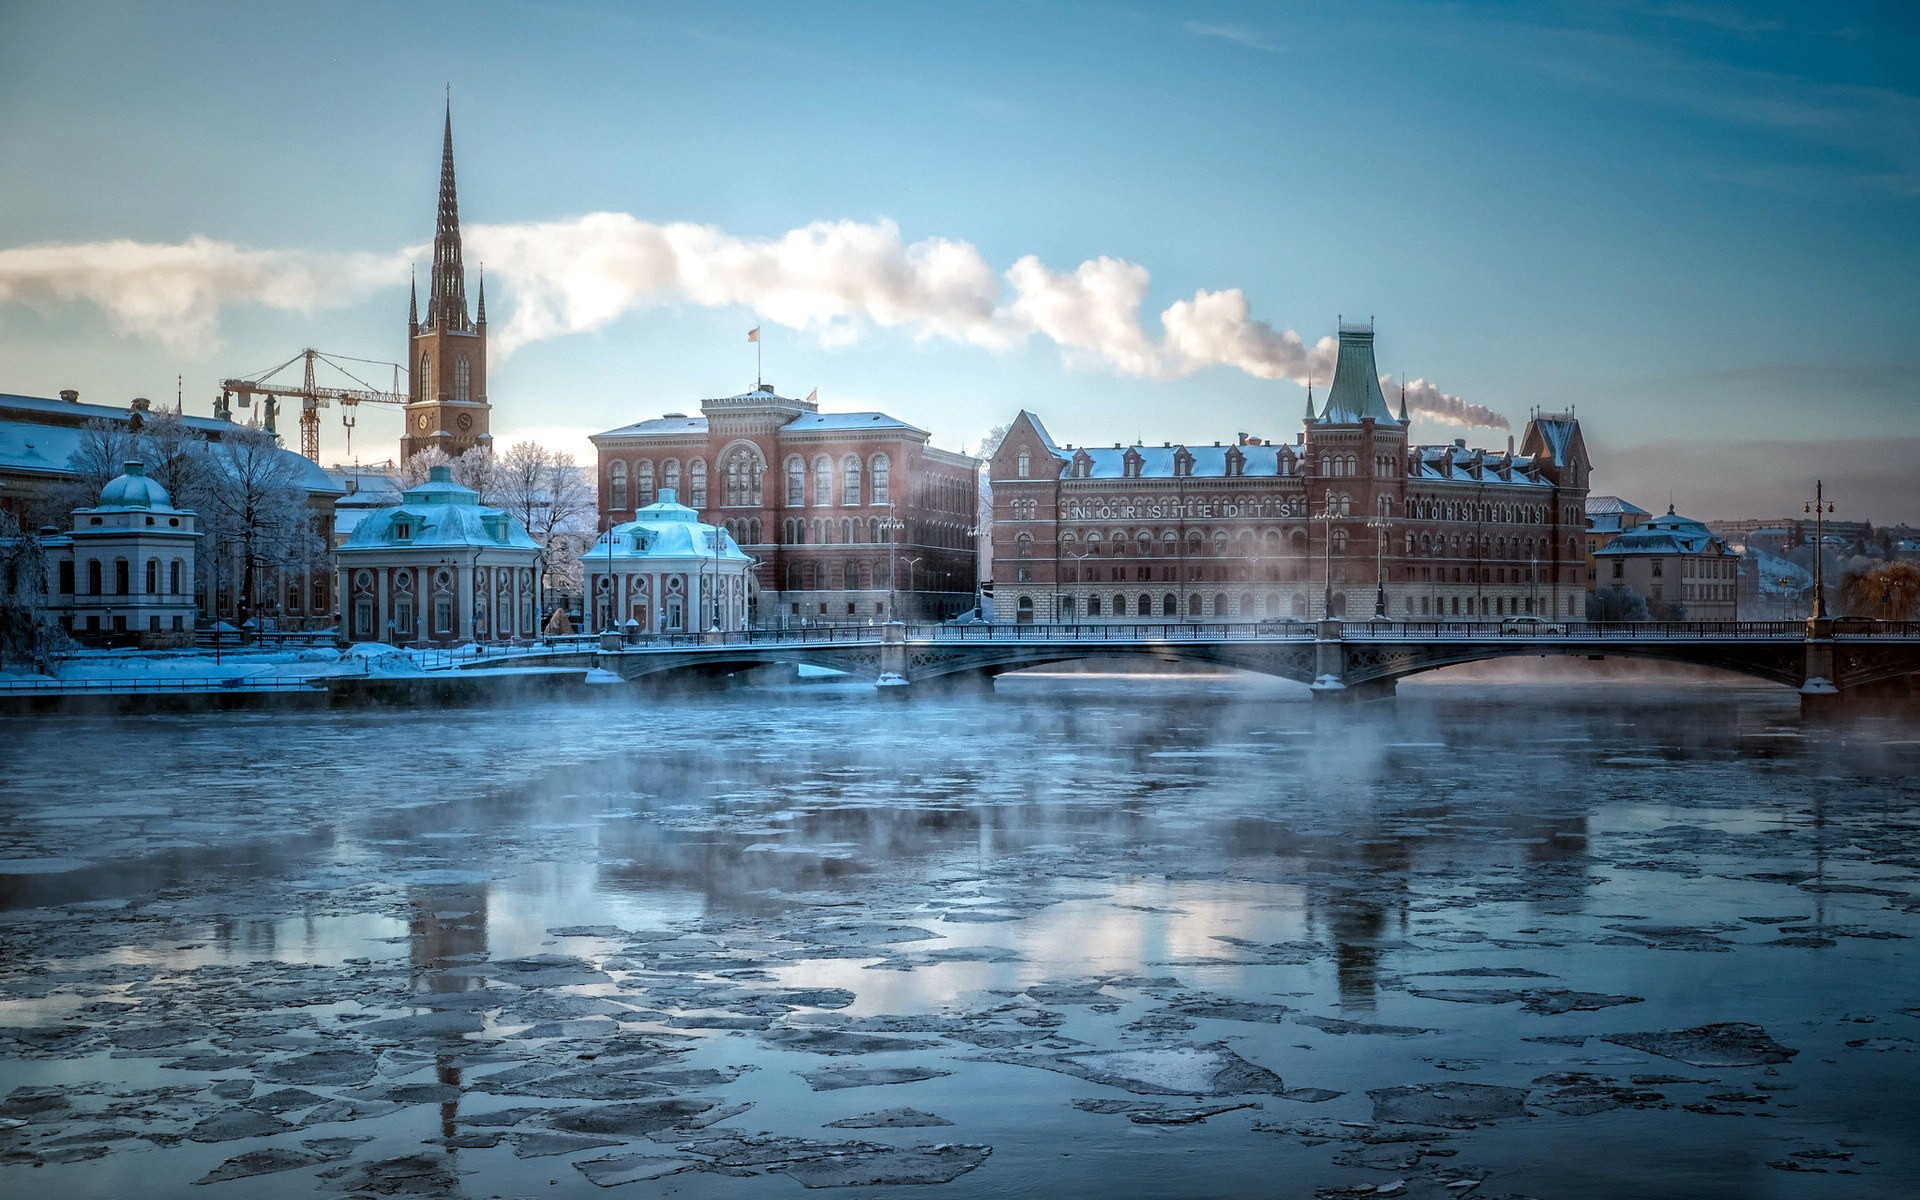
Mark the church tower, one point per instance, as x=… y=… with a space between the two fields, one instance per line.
x=447 y=352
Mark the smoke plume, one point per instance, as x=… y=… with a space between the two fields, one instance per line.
x=173 y=293
x=832 y=279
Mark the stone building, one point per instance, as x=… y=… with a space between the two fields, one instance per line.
x=39 y=439
x=666 y=571
x=439 y=567
x=847 y=516
x=124 y=573
x=1685 y=570
x=1348 y=518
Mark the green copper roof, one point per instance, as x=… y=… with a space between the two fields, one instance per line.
x=1355 y=394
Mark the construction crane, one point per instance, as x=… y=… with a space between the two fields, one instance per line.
x=312 y=397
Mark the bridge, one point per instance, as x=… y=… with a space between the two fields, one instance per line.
x=1340 y=660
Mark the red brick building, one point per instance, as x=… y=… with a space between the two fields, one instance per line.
x=849 y=516
x=1348 y=518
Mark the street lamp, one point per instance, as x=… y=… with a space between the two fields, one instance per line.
x=1820 y=507
x=1326 y=550
x=1380 y=526
x=912 y=562
x=891 y=527
x=1079 y=556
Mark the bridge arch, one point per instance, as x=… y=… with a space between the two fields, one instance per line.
x=1370 y=663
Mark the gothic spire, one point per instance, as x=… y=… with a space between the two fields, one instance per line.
x=447 y=290
x=1403 y=402
x=413 y=299
x=480 y=314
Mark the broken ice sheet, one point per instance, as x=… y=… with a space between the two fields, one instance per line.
x=1189 y=1070
x=1726 y=1044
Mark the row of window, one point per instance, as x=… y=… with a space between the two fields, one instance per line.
x=1418 y=508
x=1221 y=544
x=851 y=531
x=742 y=470
x=1223 y=606
x=644 y=482
x=172 y=574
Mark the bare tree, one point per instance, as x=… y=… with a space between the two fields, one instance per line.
x=1889 y=590
x=990 y=442
x=176 y=457
x=256 y=519
x=104 y=450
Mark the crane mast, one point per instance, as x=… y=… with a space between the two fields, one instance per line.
x=312 y=396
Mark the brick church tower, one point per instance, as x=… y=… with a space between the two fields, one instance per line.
x=447 y=352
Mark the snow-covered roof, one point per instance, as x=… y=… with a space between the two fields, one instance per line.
x=666 y=529
x=132 y=489
x=41 y=436
x=1157 y=462
x=659 y=427
x=1613 y=504
x=1456 y=463
x=1558 y=433
x=1775 y=575
x=1669 y=534
x=817 y=422
x=438 y=514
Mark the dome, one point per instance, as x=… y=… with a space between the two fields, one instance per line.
x=132 y=489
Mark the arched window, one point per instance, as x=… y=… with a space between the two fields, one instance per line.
x=1193 y=605
x=1145 y=605
x=93 y=578
x=850 y=577
x=643 y=483
x=462 y=378
x=796 y=482
x=741 y=467
x=1119 y=606
x=670 y=476
x=122 y=583
x=153 y=576
x=850 y=480
x=1339 y=541
x=882 y=468
x=426 y=375
x=1169 y=605
x=1093 y=606
x=173 y=577
x=823 y=480
x=697 y=483
x=1024 y=463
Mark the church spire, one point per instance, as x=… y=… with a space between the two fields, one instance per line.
x=1403 y=402
x=413 y=301
x=447 y=290
x=480 y=314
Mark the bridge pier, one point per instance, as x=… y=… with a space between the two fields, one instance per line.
x=893 y=659
x=1330 y=680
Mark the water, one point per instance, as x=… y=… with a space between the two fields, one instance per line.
x=1474 y=885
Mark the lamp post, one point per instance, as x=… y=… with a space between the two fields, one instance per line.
x=1079 y=556
x=1533 y=586
x=891 y=527
x=1326 y=552
x=912 y=562
x=1380 y=526
x=1820 y=507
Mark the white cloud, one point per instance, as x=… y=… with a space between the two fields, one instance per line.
x=836 y=280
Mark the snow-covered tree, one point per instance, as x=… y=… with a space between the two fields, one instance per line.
x=1616 y=603
x=475 y=469
x=548 y=493
x=29 y=636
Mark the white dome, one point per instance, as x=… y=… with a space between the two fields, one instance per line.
x=132 y=489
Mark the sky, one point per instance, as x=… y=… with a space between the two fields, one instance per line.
x=1692 y=223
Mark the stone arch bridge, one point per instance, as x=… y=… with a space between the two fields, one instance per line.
x=1339 y=660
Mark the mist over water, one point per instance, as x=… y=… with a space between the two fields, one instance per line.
x=1172 y=937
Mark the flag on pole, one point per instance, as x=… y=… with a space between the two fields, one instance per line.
x=753 y=335
x=813 y=397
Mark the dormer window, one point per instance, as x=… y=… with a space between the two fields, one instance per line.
x=402 y=531
x=1130 y=466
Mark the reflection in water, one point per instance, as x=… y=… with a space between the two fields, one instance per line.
x=446 y=925
x=1490 y=879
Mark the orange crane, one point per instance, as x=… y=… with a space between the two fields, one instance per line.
x=312 y=397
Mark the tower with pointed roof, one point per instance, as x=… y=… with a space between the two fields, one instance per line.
x=447 y=347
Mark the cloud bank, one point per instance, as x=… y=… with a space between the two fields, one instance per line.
x=835 y=280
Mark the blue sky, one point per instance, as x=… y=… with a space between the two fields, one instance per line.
x=1692 y=221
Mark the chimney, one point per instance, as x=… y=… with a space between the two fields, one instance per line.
x=1509 y=445
x=69 y=395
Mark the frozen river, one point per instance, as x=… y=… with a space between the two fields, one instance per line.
x=1075 y=939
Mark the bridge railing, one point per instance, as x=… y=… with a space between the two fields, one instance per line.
x=1571 y=630
x=1138 y=631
